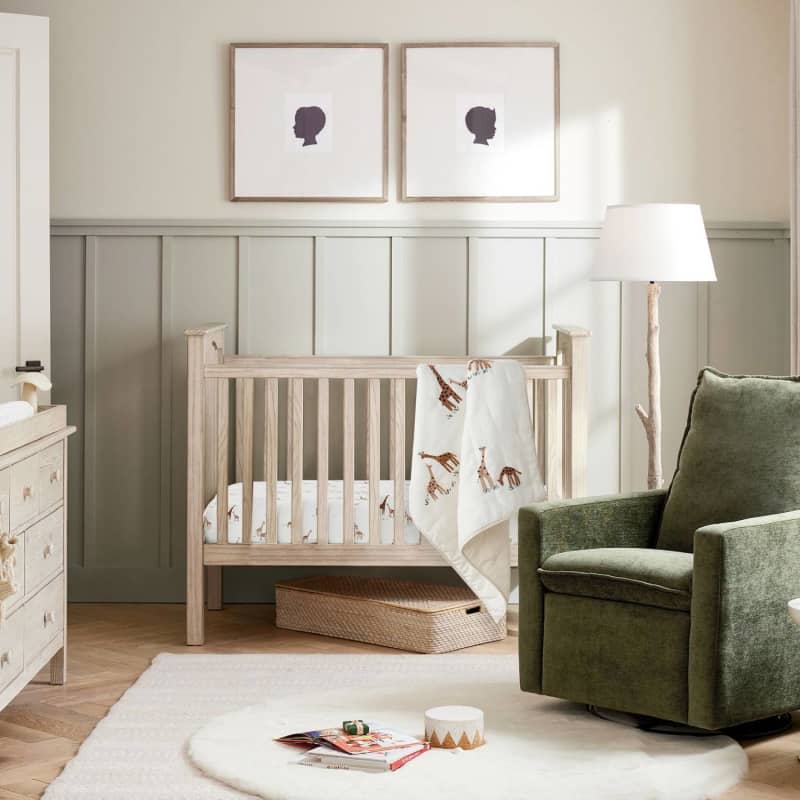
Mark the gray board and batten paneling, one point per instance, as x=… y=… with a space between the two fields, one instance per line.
x=123 y=292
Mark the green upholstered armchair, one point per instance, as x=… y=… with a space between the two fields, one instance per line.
x=673 y=604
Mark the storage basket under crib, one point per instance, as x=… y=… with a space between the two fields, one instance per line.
x=420 y=617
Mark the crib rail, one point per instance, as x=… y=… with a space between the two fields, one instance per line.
x=224 y=391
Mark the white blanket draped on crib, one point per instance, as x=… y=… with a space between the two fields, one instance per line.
x=474 y=466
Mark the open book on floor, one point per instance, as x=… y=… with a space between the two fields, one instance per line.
x=386 y=761
x=378 y=740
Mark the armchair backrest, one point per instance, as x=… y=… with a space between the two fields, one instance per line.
x=740 y=455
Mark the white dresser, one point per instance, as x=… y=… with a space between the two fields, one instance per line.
x=33 y=482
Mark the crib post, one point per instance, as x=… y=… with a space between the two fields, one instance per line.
x=573 y=346
x=204 y=346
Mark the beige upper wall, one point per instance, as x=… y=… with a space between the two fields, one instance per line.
x=672 y=100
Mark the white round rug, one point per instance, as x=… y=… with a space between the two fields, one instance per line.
x=535 y=747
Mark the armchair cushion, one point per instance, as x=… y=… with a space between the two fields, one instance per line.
x=548 y=528
x=740 y=455
x=648 y=577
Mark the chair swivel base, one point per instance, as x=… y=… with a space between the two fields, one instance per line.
x=770 y=726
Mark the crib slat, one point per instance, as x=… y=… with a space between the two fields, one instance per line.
x=244 y=452
x=398 y=436
x=271 y=456
x=222 y=461
x=289 y=410
x=296 y=466
x=531 y=387
x=322 y=460
x=540 y=425
x=374 y=458
x=391 y=428
x=348 y=457
x=554 y=441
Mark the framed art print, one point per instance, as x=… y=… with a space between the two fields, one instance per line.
x=309 y=122
x=480 y=122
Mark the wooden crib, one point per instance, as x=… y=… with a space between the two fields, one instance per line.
x=221 y=398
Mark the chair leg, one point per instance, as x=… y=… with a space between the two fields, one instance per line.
x=214 y=588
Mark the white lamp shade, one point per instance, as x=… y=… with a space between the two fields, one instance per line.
x=653 y=242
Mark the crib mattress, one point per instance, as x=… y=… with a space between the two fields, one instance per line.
x=335 y=497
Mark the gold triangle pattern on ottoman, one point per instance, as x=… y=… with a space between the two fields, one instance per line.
x=464 y=742
x=449 y=727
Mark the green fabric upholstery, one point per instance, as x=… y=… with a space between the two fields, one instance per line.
x=739 y=456
x=596 y=574
x=549 y=528
x=645 y=576
x=744 y=654
x=616 y=655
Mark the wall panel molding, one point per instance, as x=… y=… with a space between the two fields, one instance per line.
x=747 y=229
x=303 y=287
x=89 y=395
x=165 y=501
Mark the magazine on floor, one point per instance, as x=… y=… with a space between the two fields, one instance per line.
x=386 y=761
x=378 y=740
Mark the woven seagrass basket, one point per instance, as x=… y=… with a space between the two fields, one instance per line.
x=420 y=617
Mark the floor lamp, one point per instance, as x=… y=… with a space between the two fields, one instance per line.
x=653 y=243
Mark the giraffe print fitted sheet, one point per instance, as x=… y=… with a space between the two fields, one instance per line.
x=335 y=498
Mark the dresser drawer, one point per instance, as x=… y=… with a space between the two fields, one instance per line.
x=5 y=501
x=44 y=551
x=19 y=576
x=11 y=648
x=44 y=618
x=51 y=476
x=24 y=494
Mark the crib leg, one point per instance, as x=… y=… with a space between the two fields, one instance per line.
x=195 y=603
x=214 y=588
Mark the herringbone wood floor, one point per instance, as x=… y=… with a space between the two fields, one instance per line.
x=110 y=645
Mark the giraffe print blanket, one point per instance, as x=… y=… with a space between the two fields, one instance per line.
x=474 y=466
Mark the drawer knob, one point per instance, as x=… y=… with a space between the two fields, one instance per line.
x=55 y=476
x=27 y=492
x=48 y=550
x=5 y=659
x=49 y=618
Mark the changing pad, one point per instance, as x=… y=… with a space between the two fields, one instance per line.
x=14 y=411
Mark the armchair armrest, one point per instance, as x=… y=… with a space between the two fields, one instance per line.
x=629 y=520
x=744 y=651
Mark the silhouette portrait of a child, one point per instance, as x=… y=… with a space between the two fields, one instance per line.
x=308 y=122
x=481 y=122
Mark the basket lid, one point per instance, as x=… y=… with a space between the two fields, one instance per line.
x=426 y=598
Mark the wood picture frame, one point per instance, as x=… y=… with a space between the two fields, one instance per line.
x=409 y=188
x=376 y=138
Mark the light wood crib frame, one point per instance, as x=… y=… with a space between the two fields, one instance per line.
x=557 y=395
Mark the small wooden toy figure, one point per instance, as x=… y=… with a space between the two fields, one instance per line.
x=32 y=379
